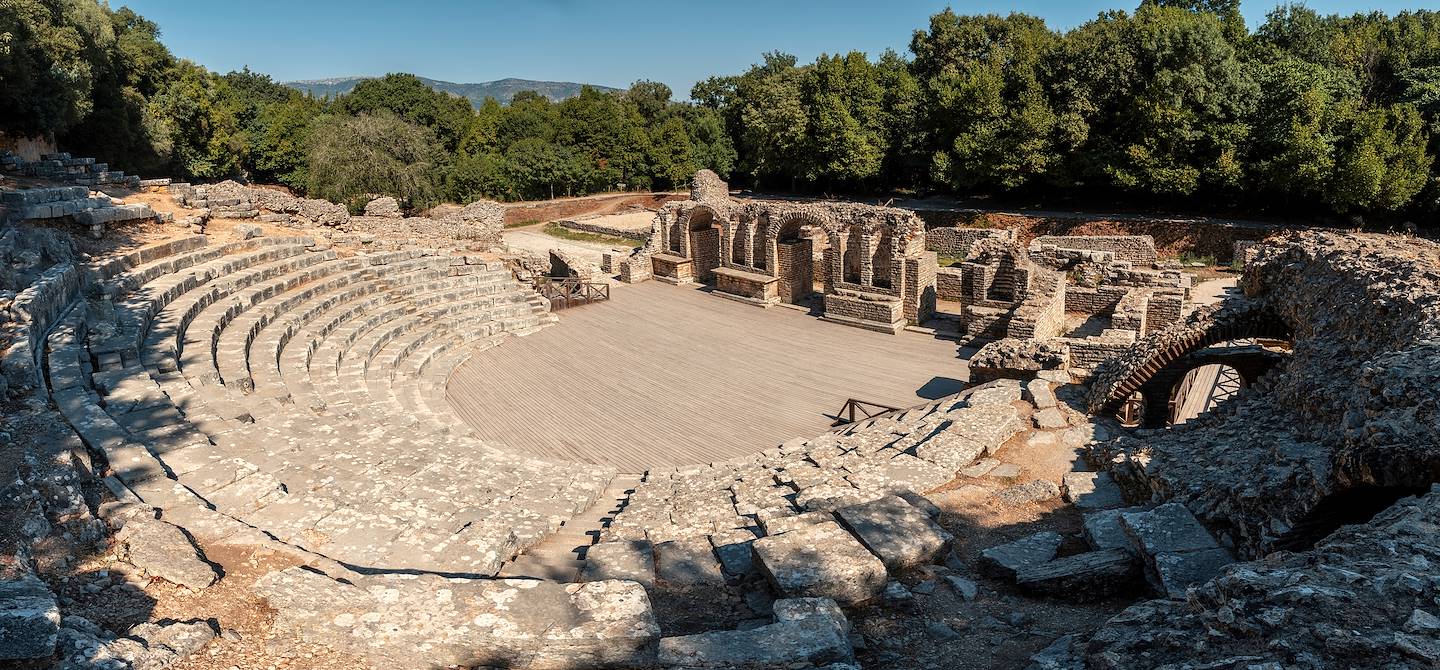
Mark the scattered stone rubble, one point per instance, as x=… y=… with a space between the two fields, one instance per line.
x=64 y=167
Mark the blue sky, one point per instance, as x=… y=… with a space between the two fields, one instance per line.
x=611 y=43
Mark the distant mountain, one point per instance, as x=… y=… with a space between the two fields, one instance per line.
x=502 y=90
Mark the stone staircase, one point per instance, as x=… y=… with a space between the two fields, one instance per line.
x=562 y=556
x=64 y=167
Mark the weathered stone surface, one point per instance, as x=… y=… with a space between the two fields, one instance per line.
x=1087 y=575
x=247 y=231
x=688 y=563
x=29 y=619
x=899 y=534
x=384 y=206
x=426 y=621
x=147 y=646
x=734 y=549
x=1040 y=394
x=1049 y=419
x=1007 y=559
x=1178 y=571
x=781 y=524
x=632 y=560
x=1035 y=491
x=163 y=550
x=821 y=561
x=964 y=587
x=1166 y=529
x=1092 y=490
x=972 y=432
x=1103 y=530
x=803 y=633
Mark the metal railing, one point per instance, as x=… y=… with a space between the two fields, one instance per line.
x=563 y=292
x=862 y=409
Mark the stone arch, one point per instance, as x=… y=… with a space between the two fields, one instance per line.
x=1177 y=351
x=794 y=254
x=705 y=230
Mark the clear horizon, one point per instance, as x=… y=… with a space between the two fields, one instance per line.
x=574 y=40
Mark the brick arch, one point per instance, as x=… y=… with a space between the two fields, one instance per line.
x=1250 y=363
x=1122 y=376
x=779 y=219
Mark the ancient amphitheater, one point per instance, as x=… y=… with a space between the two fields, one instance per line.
x=247 y=430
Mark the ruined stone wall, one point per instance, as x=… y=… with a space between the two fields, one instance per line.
x=1138 y=249
x=920 y=280
x=1357 y=404
x=1042 y=314
x=795 y=261
x=950 y=284
x=1132 y=310
x=1163 y=309
x=1100 y=300
x=957 y=242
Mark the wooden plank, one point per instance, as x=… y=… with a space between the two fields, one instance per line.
x=661 y=375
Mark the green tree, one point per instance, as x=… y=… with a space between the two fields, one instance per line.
x=987 y=111
x=354 y=156
x=411 y=99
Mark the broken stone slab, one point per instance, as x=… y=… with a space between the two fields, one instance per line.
x=901 y=535
x=1103 y=530
x=795 y=609
x=775 y=525
x=632 y=560
x=971 y=433
x=964 y=587
x=1049 y=418
x=1005 y=472
x=921 y=503
x=733 y=548
x=1040 y=394
x=998 y=392
x=1177 y=571
x=164 y=550
x=981 y=468
x=247 y=231
x=29 y=619
x=687 y=563
x=821 y=561
x=147 y=646
x=802 y=636
x=1081 y=576
x=1091 y=490
x=425 y=621
x=1168 y=528
x=1006 y=560
x=1036 y=491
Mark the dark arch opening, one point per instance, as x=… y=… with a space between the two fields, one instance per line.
x=1343 y=508
x=1203 y=389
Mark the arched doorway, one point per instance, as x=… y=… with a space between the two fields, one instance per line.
x=704 y=243
x=795 y=256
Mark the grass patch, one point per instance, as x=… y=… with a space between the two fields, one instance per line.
x=950 y=261
x=1188 y=258
x=557 y=230
x=522 y=224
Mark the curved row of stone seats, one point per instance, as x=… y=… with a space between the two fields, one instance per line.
x=805 y=480
x=263 y=353
x=37 y=308
x=258 y=460
x=165 y=343
x=141 y=291
x=333 y=331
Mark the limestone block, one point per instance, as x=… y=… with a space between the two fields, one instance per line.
x=384 y=206
x=162 y=550
x=1091 y=574
x=1035 y=491
x=1091 y=490
x=1006 y=560
x=735 y=552
x=901 y=535
x=1040 y=394
x=1103 y=530
x=1166 y=529
x=810 y=640
x=29 y=619
x=821 y=561
x=688 y=563
x=1177 y=571
x=633 y=560
x=418 y=622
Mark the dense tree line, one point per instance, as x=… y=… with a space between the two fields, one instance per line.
x=1175 y=103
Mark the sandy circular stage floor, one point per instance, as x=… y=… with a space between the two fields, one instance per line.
x=670 y=375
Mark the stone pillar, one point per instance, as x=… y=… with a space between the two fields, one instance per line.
x=867 y=258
